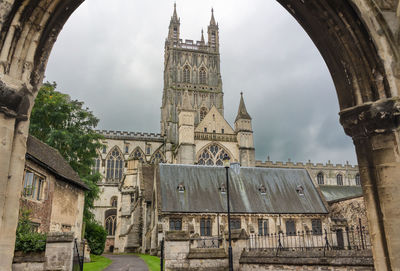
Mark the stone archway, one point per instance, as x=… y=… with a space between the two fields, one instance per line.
x=358 y=39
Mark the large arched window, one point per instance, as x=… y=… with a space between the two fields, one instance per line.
x=138 y=154
x=212 y=155
x=115 y=165
x=203 y=76
x=203 y=113
x=339 y=179
x=157 y=157
x=358 y=180
x=320 y=178
x=110 y=221
x=186 y=74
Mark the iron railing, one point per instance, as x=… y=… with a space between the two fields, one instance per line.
x=349 y=238
x=79 y=256
x=208 y=242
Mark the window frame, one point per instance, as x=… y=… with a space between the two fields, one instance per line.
x=236 y=223
x=263 y=227
x=290 y=223
x=339 y=179
x=175 y=224
x=205 y=227
x=316 y=226
x=320 y=178
x=358 y=179
x=37 y=183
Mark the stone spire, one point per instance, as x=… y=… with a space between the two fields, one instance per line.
x=242 y=111
x=212 y=21
x=202 y=37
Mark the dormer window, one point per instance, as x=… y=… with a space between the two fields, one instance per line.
x=222 y=188
x=181 y=188
x=262 y=189
x=300 y=190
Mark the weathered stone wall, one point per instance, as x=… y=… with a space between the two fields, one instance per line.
x=348 y=260
x=350 y=210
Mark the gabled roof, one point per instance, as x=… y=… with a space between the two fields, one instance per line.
x=51 y=159
x=214 y=120
x=335 y=193
x=242 y=111
x=202 y=190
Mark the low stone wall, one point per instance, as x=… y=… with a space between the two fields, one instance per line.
x=58 y=255
x=336 y=260
x=180 y=256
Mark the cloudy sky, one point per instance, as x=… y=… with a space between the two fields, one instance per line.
x=111 y=57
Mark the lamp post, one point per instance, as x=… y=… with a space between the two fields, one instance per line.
x=236 y=169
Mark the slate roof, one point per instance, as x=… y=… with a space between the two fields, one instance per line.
x=334 y=193
x=51 y=159
x=202 y=192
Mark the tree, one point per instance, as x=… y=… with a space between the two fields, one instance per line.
x=65 y=125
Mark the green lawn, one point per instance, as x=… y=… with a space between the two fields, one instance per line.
x=152 y=262
x=97 y=263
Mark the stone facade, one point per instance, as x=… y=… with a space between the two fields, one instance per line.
x=357 y=39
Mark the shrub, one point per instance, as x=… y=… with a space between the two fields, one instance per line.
x=27 y=240
x=96 y=236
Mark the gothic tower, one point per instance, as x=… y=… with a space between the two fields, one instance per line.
x=193 y=67
x=244 y=131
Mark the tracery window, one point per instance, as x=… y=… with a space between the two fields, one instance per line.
x=96 y=166
x=203 y=76
x=320 y=178
x=203 y=113
x=138 y=154
x=115 y=165
x=358 y=180
x=157 y=158
x=212 y=156
x=186 y=74
x=111 y=223
x=339 y=179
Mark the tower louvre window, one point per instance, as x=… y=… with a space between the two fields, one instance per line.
x=203 y=76
x=186 y=74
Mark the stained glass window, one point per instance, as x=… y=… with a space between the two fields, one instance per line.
x=138 y=154
x=339 y=179
x=115 y=165
x=96 y=166
x=213 y=155
x=203 y=113
x=320 y=178
x=157 y=157
x=111 y=223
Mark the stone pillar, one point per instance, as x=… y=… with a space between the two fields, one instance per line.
x=60 y=251
x=374 y=128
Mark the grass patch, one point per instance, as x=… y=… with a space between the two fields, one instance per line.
x=153 y=262
x=97 y=263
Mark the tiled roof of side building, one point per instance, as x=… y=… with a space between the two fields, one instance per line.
x=51 y=159
x=335 y=193
x=202 y=190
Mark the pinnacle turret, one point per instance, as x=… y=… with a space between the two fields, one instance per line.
x=242 y=111
x=174 y=17
x=212 y=21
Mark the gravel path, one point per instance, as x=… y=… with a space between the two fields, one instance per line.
x=126 y=263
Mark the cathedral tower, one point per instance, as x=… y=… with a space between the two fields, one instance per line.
x=244 y=131
x=193 y=67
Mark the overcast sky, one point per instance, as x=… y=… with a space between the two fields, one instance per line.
x=110 y=55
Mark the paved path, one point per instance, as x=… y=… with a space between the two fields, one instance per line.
x=126 y=263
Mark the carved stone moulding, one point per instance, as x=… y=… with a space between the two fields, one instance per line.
x=382 y=116
x=14 y=103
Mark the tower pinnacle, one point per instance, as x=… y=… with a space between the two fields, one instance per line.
x=212 y=21
x=175 y=15
x=242 y=111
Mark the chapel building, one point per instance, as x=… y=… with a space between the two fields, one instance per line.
x=193 y=132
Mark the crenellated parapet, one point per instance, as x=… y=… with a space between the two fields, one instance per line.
x=290 y=164
x=125 y=135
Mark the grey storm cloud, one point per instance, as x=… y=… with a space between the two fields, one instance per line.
x=111 y=57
